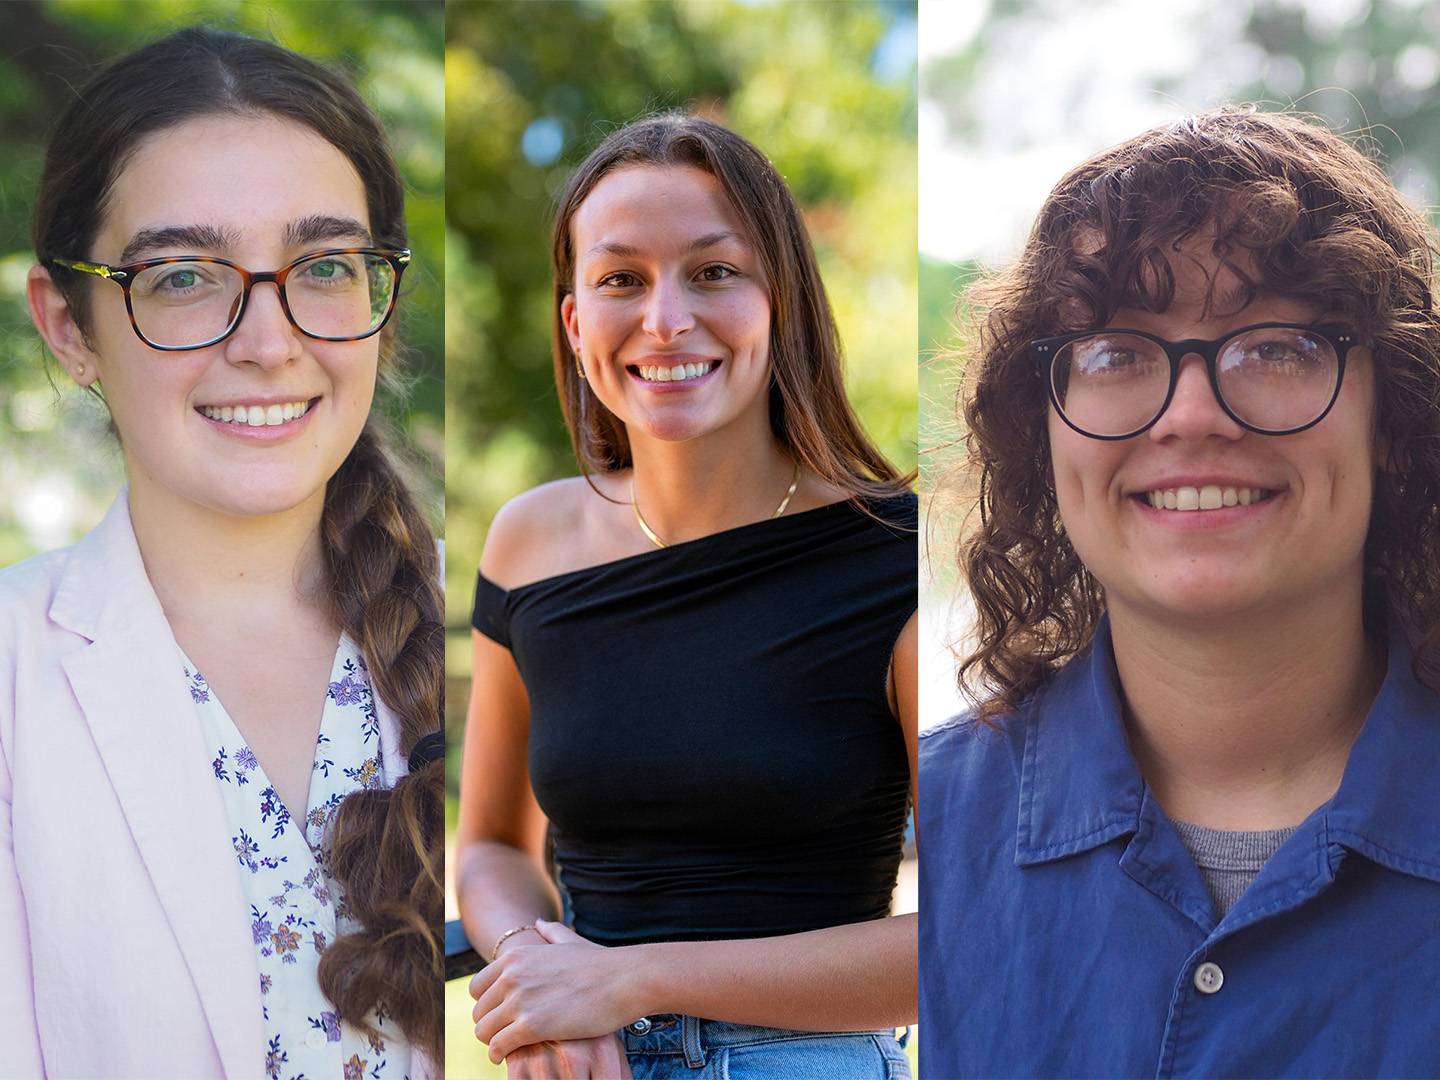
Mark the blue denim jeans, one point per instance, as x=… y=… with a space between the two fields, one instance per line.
x=669 y=1046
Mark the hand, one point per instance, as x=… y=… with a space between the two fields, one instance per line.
x=581 y=1059
x=568 y=988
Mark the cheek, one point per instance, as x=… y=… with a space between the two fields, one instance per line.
x=1082 y=472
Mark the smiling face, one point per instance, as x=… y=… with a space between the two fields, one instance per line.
x=1293 y=509
x=261 y=192
x=670 y=311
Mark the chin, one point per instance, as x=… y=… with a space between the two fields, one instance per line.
x=1204 y=596
x=673 y=428
x=261 y=499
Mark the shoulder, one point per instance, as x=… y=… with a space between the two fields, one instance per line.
x=966 y=762
x=27 y=588
x=536 y=532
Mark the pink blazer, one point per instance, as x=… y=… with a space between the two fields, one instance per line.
x=125 y=948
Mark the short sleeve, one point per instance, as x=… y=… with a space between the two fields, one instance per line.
x=491 y=615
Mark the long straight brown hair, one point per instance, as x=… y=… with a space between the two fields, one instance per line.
x=386 y=847
x=809 y=412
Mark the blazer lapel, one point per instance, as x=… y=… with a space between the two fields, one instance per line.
x=129 y=685
x=393 y=764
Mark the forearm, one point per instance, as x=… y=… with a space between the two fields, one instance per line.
x=845 y=978
x=499 y=888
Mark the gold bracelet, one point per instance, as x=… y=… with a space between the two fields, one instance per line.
x=506 y=936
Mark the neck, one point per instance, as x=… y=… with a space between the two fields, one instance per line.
x=255 y=570
x=702 y=486
x=1246 y=723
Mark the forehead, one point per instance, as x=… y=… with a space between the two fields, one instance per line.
x=655 y=209
x=250 y=175
x=1207 y=284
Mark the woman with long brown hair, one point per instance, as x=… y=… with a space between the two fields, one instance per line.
x=1190 y=828
x=221 y=831
x=698 y=657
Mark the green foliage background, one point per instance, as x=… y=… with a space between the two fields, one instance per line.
x=57 y=464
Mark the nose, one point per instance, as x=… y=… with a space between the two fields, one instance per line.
x=1194 y=411
x=265 y=336
x=667 y=311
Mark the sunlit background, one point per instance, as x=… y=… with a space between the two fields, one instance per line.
x=59 y=466
x=1015 y=92
x=827 y=90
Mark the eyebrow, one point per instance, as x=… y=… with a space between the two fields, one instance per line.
x=307 y=230
x=204 y=237
x=317 y=227
x=700 y=243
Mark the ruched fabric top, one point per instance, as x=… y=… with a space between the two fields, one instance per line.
x=710 y=734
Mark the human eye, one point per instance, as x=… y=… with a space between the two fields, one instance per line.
x=331 y=270
x=716 y=272
x=178 y=282
x=1281 y=351
x=619 y=279
x=1111 y=357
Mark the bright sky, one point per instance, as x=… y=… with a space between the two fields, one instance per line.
x=1071 y=79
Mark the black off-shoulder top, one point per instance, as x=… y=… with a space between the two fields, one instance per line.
x=710 y=734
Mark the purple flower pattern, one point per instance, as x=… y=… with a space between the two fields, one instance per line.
x=293 y=921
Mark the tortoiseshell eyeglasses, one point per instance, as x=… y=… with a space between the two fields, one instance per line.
x=190 y=301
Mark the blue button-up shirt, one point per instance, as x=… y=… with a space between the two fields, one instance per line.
x=1064 y=925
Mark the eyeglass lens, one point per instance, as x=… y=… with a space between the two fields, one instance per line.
x=193 y=303
x=1276 y=379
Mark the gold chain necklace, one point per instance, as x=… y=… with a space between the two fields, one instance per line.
x=655 y=537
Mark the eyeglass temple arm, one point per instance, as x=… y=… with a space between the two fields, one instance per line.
x=98 y=269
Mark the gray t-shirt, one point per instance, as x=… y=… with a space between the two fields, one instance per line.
x=1229 y=860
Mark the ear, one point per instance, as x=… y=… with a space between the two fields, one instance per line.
x=571 y=321
x=51 y=314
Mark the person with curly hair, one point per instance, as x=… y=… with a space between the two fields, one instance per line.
x=221 y=819
x=1189 y=828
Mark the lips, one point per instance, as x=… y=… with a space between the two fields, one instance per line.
x=255 y=415
x=1205 y=497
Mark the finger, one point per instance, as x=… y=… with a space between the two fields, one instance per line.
x=557 y=933
x=531 y=1063
x=484 y=978
x=491 y=1000
x=612 y=1063
x=507 y=1040
x=487 y=1024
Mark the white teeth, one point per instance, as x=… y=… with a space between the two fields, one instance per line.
x=678 y=373
x=256 y=415
x=1209 y=497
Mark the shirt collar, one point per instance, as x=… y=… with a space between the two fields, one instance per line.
x=1080 y=787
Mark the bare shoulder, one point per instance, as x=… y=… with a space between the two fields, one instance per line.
x=541 y=533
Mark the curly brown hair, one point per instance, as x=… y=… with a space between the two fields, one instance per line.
x=1297 y=212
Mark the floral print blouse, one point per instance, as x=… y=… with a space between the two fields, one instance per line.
x=295 y=908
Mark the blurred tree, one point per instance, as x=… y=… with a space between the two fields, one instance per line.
x=57 y=468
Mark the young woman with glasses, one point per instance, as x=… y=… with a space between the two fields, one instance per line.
x=696 y=661
x=1190 y=828
x=221 y=832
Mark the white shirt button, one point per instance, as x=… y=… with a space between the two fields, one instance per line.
x=1209 y=978
x=316 y=1039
